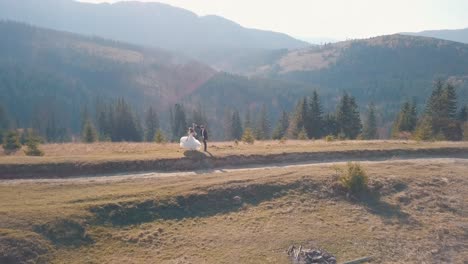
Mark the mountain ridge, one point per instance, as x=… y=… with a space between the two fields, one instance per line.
x=458 y=35
x=149 y=24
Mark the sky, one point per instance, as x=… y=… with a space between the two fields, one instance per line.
x=332 y=19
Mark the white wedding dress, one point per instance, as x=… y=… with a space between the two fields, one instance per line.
x=190 y=142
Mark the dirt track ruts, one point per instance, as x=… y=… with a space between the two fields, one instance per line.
x=198 y=161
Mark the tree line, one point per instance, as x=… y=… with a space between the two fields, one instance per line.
x=117 y=120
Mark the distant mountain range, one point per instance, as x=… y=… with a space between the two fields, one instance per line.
x=385 y=70
x=206 y=38
x=458 y=35
x=59 y=70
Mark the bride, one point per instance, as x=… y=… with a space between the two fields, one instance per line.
x=190 y=142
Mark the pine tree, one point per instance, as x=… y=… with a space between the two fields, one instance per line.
x=302 y=135
x=330 y=125
x=248 y=136
x=159 y=137
x=32 y=145
x=198 y=116
x=248 y=119
x=450 y=101
x=4 y=123
x=11 y=142
x=126 y=125
x=151 y=124
x=282 y=126
x=178 y=122
x=236 y=132
x=465 y=131
x=348 y=118
x=406 y=120
x=264 y=126
x=227 y=124
x=463 y=114
x=314 y=122
x=435 y=103
x=370 y=127
x=89 y=134
x=299 y=118
x=424 y=129
x=442 y=112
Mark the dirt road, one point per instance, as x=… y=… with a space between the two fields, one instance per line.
x=139 y=176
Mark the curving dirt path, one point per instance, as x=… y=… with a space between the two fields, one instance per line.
x=122 y=177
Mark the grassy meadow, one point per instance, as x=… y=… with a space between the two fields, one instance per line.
x=107 y=151
x=417 y=213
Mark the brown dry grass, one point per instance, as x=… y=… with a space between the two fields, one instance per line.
x=98 y=152
x=421 y=217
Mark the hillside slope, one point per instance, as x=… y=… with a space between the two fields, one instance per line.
x=386 y=69
x=50 y=71
x=207 y=38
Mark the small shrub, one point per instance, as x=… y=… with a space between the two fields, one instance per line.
x=159 y=137
x=329 y=138
x=11 y=142
x=64 y=232
x=354 y=178
x=248 y=136
x=89 y=133
x=283 y=140
x=302 y=135
x=32 y=146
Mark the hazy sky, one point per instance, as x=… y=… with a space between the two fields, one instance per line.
x=337 y=19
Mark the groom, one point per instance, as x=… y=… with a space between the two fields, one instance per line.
x=204 y=135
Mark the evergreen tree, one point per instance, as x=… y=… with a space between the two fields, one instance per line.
x=348 y=118
x=32 y=145
x=126 y=126
x=264 y=127
x=314 y=122
x=248 y=136
x=248 y=119
x=406 y=120
x=441 y=111
x=370 y=127
x=299 y=118
x=11 y=142
x=159 y=137
x=178 y=122
x=151 y=124
x=198 y=116
x=435 y=103
x=302 y=135
x=89 y=134
x=330 y=125
x=463 y=114
x=227 y=124
x=450 y=101
x=236 y=132
x=424 y=129
x=282 y=126
x=465 y=131
x=4 y=123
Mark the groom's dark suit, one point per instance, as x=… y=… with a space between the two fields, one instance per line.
x=204 y=135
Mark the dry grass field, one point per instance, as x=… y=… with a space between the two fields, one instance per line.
x=417 y=213
x=100 y=152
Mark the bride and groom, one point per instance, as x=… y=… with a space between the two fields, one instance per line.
x=190 y=142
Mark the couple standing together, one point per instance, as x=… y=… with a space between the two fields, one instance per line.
x=190 y=141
